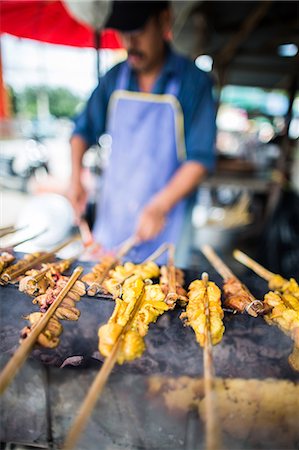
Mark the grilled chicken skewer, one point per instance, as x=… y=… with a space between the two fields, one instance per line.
x=27 y=344
x=276 y=282
x=172 y=280
x=237 y=296
x=212 y=423
x=147 y=270
x=108 y=277
x=204 y=314
x=153 y=304
x=100 y=271
x=282 y=300
x=195 y=315
x=121 y=339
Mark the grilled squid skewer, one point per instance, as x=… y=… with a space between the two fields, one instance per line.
x=36 y=281
x=67 y=310
x=6 y=259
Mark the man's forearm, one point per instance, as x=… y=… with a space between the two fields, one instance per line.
x=184 y=181
x=78 y=148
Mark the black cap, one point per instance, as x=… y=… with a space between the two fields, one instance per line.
x=129 y=16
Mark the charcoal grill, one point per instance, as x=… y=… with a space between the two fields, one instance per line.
x=41 y=403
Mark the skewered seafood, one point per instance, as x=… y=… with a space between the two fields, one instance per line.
x=36 y=281
x=117 y=276
x=67 y=310
x=152 y=305
x=5 y=260
x=195 y=311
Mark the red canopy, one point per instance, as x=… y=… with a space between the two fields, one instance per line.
x=49 y=21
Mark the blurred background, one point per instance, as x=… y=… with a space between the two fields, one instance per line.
x=52 y=54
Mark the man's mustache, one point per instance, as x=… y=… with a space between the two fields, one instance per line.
x=132 y=52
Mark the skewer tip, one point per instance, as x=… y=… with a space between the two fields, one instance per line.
x=205 y=276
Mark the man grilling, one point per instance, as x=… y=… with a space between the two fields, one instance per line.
x=158 y=108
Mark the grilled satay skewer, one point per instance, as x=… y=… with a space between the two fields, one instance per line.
x=172 y=280
x=17 y=360
x=146 y=270
x=237 y=295
x=212 y=424
x=283 y=298
x=31 y=261
x=99 y=382
x=100 y=271
x=275 y=281
x=121 y=339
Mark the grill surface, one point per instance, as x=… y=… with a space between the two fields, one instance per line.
x=50 y=396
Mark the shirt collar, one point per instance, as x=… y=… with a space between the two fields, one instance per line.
x=169 y=68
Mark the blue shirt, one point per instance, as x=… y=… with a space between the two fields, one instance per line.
x=195 y=97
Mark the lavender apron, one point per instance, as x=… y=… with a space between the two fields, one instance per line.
x=147 y=148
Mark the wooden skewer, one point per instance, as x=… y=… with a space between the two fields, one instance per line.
x=23 y=240
x=253 y=265
x=5 y=278
x=10 y=230
x=227 y=274
x=217 y=263
x=212 y=425
x=172 y=294
x=160 y=250
x=7 y=228
x=124 y=249
x=25 y=347
x=98 y=384
x=43 y=272
x=155 y=255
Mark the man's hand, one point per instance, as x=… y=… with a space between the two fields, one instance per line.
x=78 y=198
x=153 y=217
x=151 y=221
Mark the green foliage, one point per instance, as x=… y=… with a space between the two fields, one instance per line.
x=61 y=102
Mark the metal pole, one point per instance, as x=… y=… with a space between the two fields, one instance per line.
x=97 y=45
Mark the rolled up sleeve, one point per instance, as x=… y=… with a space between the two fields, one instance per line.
x=200 y=123
x=90 y=123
